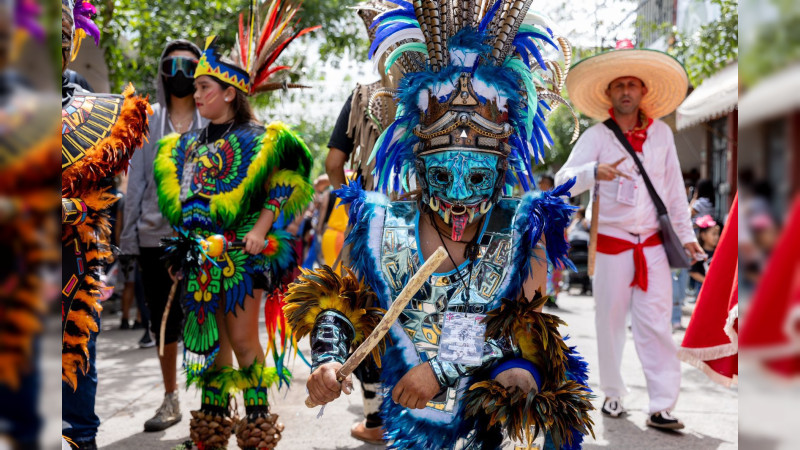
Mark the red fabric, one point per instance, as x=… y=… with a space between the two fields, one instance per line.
x=614 y=246
x=706 y=344
x=638 y=134
x=771 y=331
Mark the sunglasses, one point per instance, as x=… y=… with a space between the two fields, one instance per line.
x=171 y=66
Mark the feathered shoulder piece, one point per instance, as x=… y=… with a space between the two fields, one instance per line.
x=323 y=289
x=563 y=401
x=540 y=215
x=475 y=65
x=99 y=133
x=289 y=189
x=260 y=42
x=252 y=159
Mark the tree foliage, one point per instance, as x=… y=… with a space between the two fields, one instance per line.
x=775 y=46
x=710 y=48
x=134 y=32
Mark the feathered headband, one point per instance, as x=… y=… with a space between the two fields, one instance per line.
x=258 y=46
x=212 y=64
x=81 y=14
x=476 y=65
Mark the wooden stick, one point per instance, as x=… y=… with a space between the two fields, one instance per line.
x=165 y=316
x=397 y=307
x=593 y=230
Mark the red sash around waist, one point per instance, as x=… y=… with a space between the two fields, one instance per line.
x=614 y=246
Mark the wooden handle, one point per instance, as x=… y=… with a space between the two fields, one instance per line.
x=165 y=316
x=397 y=307
x=593 y=232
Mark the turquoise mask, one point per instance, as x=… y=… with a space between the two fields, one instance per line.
x=460 y=186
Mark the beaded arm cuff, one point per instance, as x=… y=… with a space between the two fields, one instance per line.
x=494 y=351
x=274 y=206
x=331 y=338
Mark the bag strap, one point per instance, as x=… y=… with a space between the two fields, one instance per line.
x=659 y=204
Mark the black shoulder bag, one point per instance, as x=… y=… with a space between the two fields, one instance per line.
x=672 y=245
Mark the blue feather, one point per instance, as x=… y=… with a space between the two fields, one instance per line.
x=540 y=214
x=489 y=15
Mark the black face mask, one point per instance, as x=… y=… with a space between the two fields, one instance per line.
x=180 y=85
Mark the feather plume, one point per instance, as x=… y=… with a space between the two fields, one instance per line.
x=323 y=289
x=260 y=47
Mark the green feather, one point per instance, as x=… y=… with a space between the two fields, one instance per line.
x=407 y=47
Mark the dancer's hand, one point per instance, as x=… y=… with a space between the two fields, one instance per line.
x=323 y=387
x=416 y=388
x=254 y=242
x=518 y=378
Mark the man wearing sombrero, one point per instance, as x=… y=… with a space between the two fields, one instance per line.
x=630 y=89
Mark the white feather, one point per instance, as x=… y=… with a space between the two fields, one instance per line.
x=410 y=34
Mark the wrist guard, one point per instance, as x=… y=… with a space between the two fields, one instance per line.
x=335 y=310
x=331 y=338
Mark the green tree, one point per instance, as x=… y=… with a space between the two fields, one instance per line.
x=134 y=32
x=775 y=46
x=710 y=48
x=561 y=125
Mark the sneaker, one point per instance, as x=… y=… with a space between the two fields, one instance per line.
x=147 y=341
x=125 y=325
x=91 y=444
x=612 y=407
x=137 y=325
x=664 y=420
x=372 y=436
x=167 y=415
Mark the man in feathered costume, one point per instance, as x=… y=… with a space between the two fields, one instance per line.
x=99 y=133
x=234 y=178
x=471 y=356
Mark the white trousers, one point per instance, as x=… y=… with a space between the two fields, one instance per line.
x=650 y=321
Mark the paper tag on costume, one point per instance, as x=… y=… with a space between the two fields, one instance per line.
x=626 y=191
x=462 y=338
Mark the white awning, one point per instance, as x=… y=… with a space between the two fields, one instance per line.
x=772 y=97
x=716 y=96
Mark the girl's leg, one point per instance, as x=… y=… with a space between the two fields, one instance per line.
x=242 y=331
x=215 y=399
x=225 y=355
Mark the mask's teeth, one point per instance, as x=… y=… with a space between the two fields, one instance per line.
x=434 y=204
x=447 y=215
x=485 y=206
x=471 y=214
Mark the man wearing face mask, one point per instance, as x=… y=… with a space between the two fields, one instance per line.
x=145 y=226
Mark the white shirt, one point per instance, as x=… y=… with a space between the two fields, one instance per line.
x=597 y=145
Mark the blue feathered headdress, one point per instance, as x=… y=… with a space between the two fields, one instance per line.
x=490 y=53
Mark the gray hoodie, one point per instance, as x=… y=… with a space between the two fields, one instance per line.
x=144 y=226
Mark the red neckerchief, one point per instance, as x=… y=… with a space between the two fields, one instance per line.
x=638 y=134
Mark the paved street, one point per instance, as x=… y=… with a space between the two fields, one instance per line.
x=130 y=390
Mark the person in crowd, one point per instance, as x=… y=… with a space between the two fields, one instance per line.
x=708 y=232
x=229 y=182
x=630 y=89
x=702 y=203
x=174 y=111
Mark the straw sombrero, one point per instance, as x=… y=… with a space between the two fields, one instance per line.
x=664 y=76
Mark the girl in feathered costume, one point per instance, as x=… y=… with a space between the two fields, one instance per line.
x=472 y=355
x=234 y=178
